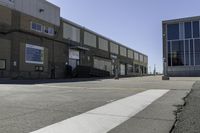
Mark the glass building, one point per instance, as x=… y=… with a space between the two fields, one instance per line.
x=181 y=47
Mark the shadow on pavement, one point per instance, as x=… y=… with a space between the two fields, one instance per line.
x=43 y=81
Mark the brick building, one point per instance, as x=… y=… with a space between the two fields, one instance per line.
x=35 y=40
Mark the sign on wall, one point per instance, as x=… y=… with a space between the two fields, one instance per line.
x=34 y=54
x=74 y=54
x=2 y=64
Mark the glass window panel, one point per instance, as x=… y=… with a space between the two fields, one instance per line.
x=187 y=53
x=191 y=53
x=197 y=51
x=196 y=29
x=39 y=27
x=181 y=31
x=173 y=31
x=188 y=30
x=34 y=26
x=169 y=54
x=177 y=53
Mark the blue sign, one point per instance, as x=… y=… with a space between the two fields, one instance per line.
x=34 y=54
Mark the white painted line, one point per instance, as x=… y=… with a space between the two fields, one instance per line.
x=107 y=117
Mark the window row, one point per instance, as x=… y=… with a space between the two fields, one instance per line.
x=184 y=30
x=184 y=53
x=41 y=28
x=90 y=39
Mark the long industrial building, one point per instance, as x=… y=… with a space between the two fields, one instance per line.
x=36 y=43
x=181 y=47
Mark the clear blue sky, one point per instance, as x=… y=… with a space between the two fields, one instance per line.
x=134 y=23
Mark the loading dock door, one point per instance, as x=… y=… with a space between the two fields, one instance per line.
x=122 y=69
x=73 y=58
x=103 y=64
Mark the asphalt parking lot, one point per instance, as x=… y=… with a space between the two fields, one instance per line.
x=28 y=107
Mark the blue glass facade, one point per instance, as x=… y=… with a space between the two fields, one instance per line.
x=195 y=29
x=188 y=30
x=173 y=31
x=183 y=40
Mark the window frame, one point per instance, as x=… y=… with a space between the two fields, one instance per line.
x=170 y=38
x=5 y=64
x=48 y=29
x=40 y=31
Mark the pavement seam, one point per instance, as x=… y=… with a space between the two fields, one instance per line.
x=136 y=117
x=107 y=115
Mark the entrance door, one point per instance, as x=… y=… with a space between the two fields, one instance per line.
x=103 y=64
x=73 y=63
x=122 y=69
x=74 y=58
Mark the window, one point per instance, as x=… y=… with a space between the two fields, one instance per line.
x=191 y=52
x=114 y=48
x=36 y=27
x=141 y=58
x=187 y=53
x=169 y=54
x=145 y=59
x=196 y=29
x=2 y=64
x=197 y=51
x=48 y=30
x=40 y=28
x=129 y=68
x=188 y=30
x=123 y=51
x=136 y=56
x=173 y=31
x=137 y=68
x=177 y=53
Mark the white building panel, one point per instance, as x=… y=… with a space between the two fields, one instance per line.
x=145 y=59
x=74 y=54
x=123 y=51
x=103 y=64
x=37 y=8
x=122 y=69
x=141 y=58
x=114 y=48
x=90 y=39
x=136 y=56
x=130 y=54
x=103 y=44
x=71 y=32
